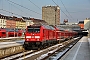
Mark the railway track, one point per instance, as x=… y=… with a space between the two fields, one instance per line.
x=46 y=53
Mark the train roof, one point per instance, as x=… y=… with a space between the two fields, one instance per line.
x=2 y=30
x=49 y=27
x=45 y=26
x=60 y=28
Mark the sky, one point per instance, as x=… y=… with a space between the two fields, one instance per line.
x=73 y=10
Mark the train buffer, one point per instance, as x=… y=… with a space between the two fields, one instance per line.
x=81 y=51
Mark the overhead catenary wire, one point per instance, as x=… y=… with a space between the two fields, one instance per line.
x=10 y=12
x=66 y=9
x=55 y=2
x=1 y=2
x=2 y=9
x=18 y=8
x=3 y=13
x=24 y=7
x=35 y=4
x=60 y=9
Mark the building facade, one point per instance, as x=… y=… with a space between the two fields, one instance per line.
x=87 y=23
x=28 y=21
x=2 y=21
x=81 y=24
x=18 y=21
x=38 y=21
x=51 y=14
x=10 y=23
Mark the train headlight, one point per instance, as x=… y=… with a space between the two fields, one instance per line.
x=27 y=39
x=37 y=36
x=37 y=39
x=28 y=36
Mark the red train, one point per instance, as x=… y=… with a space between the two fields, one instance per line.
x=38 y=36
x=10 y=33
x=2 y=33
x=16 y=33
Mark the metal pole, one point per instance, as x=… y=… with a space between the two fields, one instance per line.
x=17 y=31
x=14 y=32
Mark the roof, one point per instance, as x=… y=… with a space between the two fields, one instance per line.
x=81 y=22
x=45 y=26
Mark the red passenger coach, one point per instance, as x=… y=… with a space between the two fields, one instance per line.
x=12 y=33
x=2 y=33
x=69 y=34
x=57 y=33
x=39 y=36
x=20 y=32
x=66 y=34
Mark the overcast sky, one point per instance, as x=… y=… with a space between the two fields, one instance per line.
x=73 y=10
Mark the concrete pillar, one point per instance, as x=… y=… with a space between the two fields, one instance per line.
x=89 y=33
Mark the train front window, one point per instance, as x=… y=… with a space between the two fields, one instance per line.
x=37 y=30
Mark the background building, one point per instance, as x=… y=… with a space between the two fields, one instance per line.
x=2 y=21
x=81 y=24
x=51 y=14
x=87 y=23
x=65 y=21
x=69 y=26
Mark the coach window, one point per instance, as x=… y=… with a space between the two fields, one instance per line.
x=3 y=33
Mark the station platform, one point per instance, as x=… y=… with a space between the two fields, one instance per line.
x=80 y=51
x=10 y=48
x=10 y=38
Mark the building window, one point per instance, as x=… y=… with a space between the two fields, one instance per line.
x=1 y=21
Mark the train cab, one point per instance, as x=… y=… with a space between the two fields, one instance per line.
x=38 y=35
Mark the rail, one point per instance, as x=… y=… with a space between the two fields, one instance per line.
x=44 y=53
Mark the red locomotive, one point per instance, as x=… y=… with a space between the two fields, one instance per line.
x=38 y=36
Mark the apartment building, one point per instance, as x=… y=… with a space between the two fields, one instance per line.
x=51 y=14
